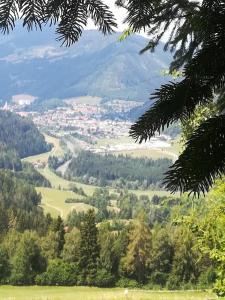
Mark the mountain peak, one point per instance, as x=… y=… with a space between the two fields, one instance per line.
x=35 y=64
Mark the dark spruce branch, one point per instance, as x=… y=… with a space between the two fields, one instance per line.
x=197 y=41
x=71 y=16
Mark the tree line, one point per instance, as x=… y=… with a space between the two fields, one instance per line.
x=117 y=171
x=156 y=242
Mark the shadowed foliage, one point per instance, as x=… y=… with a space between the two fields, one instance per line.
x=197 y=39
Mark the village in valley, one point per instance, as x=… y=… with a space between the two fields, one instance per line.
x=87 y=123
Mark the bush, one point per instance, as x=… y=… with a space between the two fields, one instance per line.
x=58 y=273
x=173 y=283
x=219 y=288
x=104 y=279
x=159 y=278
x=207 y=278
x=127 y=283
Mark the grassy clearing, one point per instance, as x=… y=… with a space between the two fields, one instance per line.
x=149 y=153
x=53 y=202
x=43 y=158
x=57 y=181
x=154 y=153
x=110 y=142
x=84 y=293
x=149 y=193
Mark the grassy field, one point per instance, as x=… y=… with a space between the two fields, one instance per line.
x=154 y=153
x=53 y=202
x=57 y=181
x=149 y=153
x=84 y=293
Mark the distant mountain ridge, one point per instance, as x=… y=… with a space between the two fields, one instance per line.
x=35 y=64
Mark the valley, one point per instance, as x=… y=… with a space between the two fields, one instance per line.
x=53 y=199
x=85 y=210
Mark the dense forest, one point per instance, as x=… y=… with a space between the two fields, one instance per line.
x=118 y=171
x=158 y=242
x=31 y=176
x=20 y=135
x=9 y=159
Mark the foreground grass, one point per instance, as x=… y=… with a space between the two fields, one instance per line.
x=84 y=293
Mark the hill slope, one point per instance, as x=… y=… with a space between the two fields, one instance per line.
x=20 y=135
x=33 y=63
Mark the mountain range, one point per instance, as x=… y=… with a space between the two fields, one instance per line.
x=34 y=64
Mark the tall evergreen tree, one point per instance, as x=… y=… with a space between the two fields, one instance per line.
x=27 y=261
x=139 y=248
x=89 y=249
x=161 y=257
x=4 y=266
x=58 y=227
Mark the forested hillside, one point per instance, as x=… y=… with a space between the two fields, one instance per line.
x=20 y=135
x=19 y=205
x=162 y=247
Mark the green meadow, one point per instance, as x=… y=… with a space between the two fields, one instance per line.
x=85 y=293
x=53 y=199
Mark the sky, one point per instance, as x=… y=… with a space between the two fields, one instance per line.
x=119 y=13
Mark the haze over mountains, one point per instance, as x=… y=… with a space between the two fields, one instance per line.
x=35 y=64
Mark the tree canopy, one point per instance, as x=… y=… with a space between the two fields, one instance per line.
x=197 y=39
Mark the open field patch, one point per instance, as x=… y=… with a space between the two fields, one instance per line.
x=53 y=201
x=57 y=181
x=149 y=153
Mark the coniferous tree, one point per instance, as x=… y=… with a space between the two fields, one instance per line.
x=58 y=227
x=27 y=261
x=89 y=249
x=71 y=250
x=136 y=261
x=108 y=259
x=4 y=266
x=161 y=257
